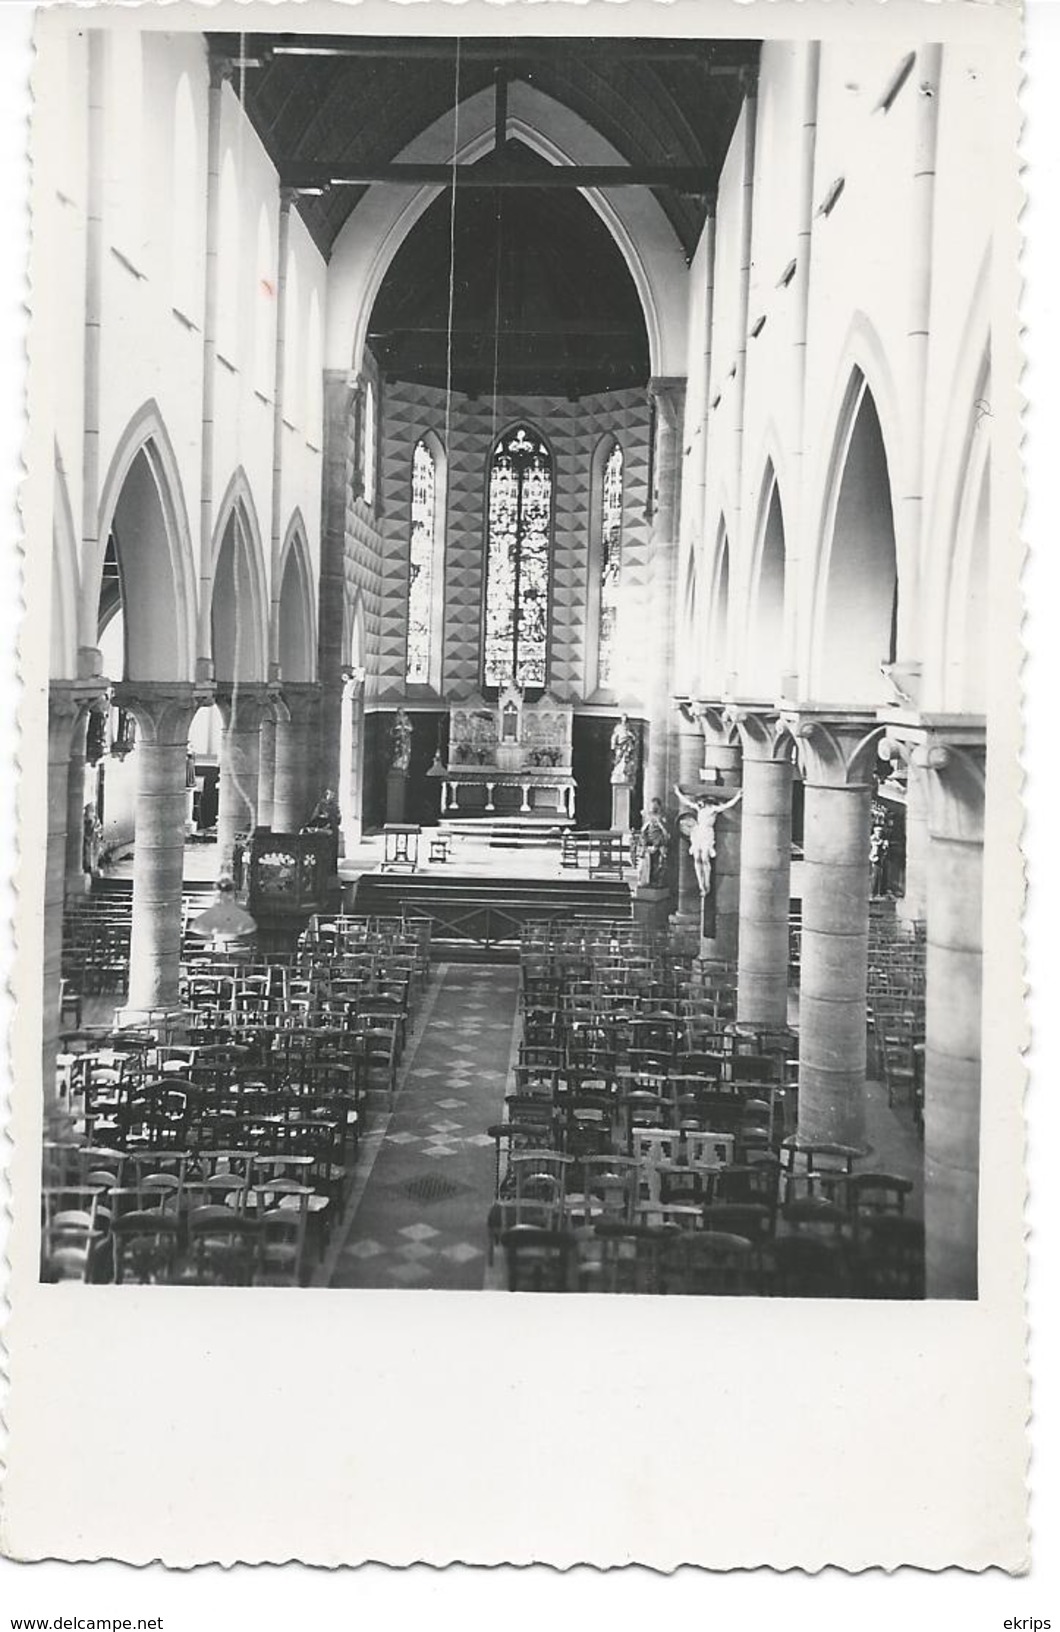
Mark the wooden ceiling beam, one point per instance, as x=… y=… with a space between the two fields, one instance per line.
x=311 y=177
x=716 y=56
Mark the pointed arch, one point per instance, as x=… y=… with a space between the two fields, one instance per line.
x=605 y=670
x=853 y=628
x=763 y=659
x=294 y=621
x=65 y=580
x=957 y=564
x=520 y=519
x=158 y=567
x=688 y=641
x=238 y=611
x=716 y=656
x=385 y=216
x=427 y=540
x=964 y=646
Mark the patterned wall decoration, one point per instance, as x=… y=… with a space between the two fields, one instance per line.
x=573 y=430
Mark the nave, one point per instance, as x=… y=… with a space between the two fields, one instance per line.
x=355 y=1115
x=598 y=446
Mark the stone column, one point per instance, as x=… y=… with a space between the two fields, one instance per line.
x=765 y=869
x=956 y=776
x=295 y=791
x=838 y=753
x=721 y=760
x=912 y=906
x=334 y=645
x=669 y=399
x=164 y=711
x=68 y=703
x=77 y=880
x=242 y=709
x=689 y=765
x=267 y=763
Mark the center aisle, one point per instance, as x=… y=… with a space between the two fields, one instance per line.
x=420 y=1221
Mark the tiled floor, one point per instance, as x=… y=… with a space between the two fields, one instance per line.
x=417 y=1218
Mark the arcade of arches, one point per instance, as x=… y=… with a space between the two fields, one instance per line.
x=707 y=452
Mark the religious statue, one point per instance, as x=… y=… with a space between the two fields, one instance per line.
x=91 y=840
x=401 y=741
x=226 y=921
x=623 y=752
x=698 y=823
x=879 y=850
x=326 y=817
x=654 y=846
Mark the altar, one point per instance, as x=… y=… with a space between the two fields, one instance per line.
x=509 y=757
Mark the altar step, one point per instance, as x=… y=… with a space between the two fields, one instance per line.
x=480 y=920
x=506 y=832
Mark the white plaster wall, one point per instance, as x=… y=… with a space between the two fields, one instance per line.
x=151 y=350
x=860 y=305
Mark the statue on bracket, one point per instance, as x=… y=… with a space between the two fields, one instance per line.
x=654 y=847
x=624 y=747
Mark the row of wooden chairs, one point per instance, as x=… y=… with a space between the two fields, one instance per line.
x=664 y=1259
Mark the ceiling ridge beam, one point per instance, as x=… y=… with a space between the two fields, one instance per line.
x=305 y=176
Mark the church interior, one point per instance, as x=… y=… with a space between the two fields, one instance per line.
x=521 y=542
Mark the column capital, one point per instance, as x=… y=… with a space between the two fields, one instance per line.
x=668 y=392
x=69 y=699
x=837 y=747
x=952 y=747
x=716 y=727
x=295 y=700
x=764 y=734
x=221 y=70
x=163 y=709
x=244 y=703
x=956 y=763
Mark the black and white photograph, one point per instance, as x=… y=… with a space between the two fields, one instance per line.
x=522 y=602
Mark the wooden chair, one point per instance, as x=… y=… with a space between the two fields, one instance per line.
x=222 y=1247
x=715 y=1264
x=283 y=1216
x=876 y=1195
x=631 y=1257
x=71 y=1234
x=889 y=1260
x=145 y=1247
x=807 y=1266
x=538 y=1260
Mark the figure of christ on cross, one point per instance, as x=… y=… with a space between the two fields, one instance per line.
x=698 y=822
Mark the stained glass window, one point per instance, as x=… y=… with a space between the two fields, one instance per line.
x=421 y=566
x=368 y=445
x=519 y=562
x=610 y=562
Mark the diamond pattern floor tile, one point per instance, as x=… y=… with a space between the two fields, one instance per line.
x=421 y=1220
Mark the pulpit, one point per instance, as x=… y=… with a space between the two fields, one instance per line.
x=291 y=874
x=510 y=757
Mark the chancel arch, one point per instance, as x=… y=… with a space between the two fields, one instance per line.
x=367 y=245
